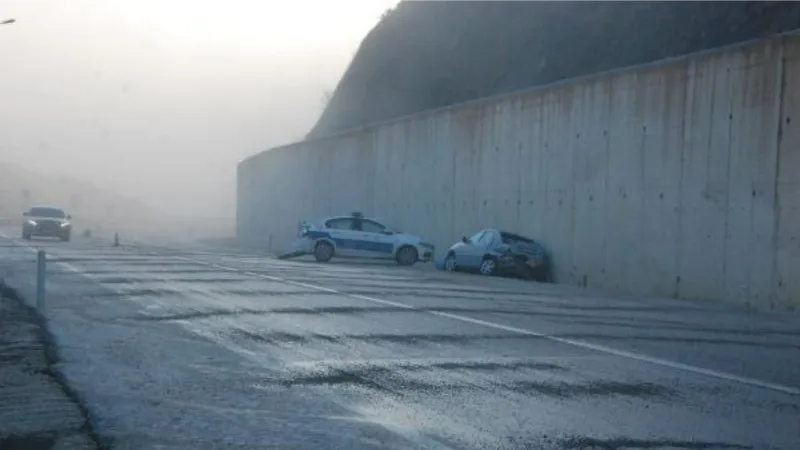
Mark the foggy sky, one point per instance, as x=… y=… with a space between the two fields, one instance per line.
x=159 y=99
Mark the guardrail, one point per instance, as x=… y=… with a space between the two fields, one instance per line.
x=22 y=281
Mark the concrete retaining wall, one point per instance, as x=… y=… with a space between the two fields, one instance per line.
x=677 y=179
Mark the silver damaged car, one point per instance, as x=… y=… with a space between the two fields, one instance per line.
x=493 y=252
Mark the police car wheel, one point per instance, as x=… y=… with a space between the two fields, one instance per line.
x=407 y=256
x=323 y=252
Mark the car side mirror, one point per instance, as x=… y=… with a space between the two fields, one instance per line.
x=69 y=216
x=464 y=239
x=25 y=214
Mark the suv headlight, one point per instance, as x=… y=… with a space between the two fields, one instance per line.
x=32 y=222
x=65 y=224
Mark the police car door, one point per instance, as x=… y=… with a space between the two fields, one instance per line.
x=377 y=244
x=343 y=236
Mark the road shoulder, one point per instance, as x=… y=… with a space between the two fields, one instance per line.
x=38 y=410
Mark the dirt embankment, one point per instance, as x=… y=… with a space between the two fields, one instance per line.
x=425 y=55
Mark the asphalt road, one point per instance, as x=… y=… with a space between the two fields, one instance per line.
x=198 y=349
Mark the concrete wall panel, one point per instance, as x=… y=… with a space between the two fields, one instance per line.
x=739 y=201
x=662 y=130
x=531 y=179
x=787 y=230
x=462 y=129
x=590 y=147
x=678 y=179
x=701 y=247
x=752 y=182
x=623 y=211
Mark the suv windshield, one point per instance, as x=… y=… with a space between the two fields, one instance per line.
x=54 y=213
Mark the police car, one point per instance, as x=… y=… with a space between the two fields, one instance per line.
x=358 y=236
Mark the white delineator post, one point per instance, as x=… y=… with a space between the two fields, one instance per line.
x=40 y=274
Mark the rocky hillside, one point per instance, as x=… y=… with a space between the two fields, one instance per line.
x=425 y=55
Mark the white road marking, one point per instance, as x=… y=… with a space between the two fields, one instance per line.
x=485 y=323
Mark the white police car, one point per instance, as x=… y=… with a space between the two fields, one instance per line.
x=357 y=236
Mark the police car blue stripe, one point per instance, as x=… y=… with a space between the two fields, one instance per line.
x=317 y=234
x=377 y=247
x=354 y=244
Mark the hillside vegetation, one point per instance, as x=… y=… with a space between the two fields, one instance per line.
x=425 y=55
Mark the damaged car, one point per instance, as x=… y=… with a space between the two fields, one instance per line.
x=493 y=252
x=358 y=236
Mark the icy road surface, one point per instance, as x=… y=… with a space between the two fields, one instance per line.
x=188 y=349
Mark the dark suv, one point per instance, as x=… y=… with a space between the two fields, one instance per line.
x=46 y=221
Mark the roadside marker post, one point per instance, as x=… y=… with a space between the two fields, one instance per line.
x=41 y=260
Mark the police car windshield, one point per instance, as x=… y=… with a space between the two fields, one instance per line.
x=53 y=213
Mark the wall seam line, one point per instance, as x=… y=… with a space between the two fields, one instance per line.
x=776 y=195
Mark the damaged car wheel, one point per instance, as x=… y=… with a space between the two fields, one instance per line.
x=488 y=266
